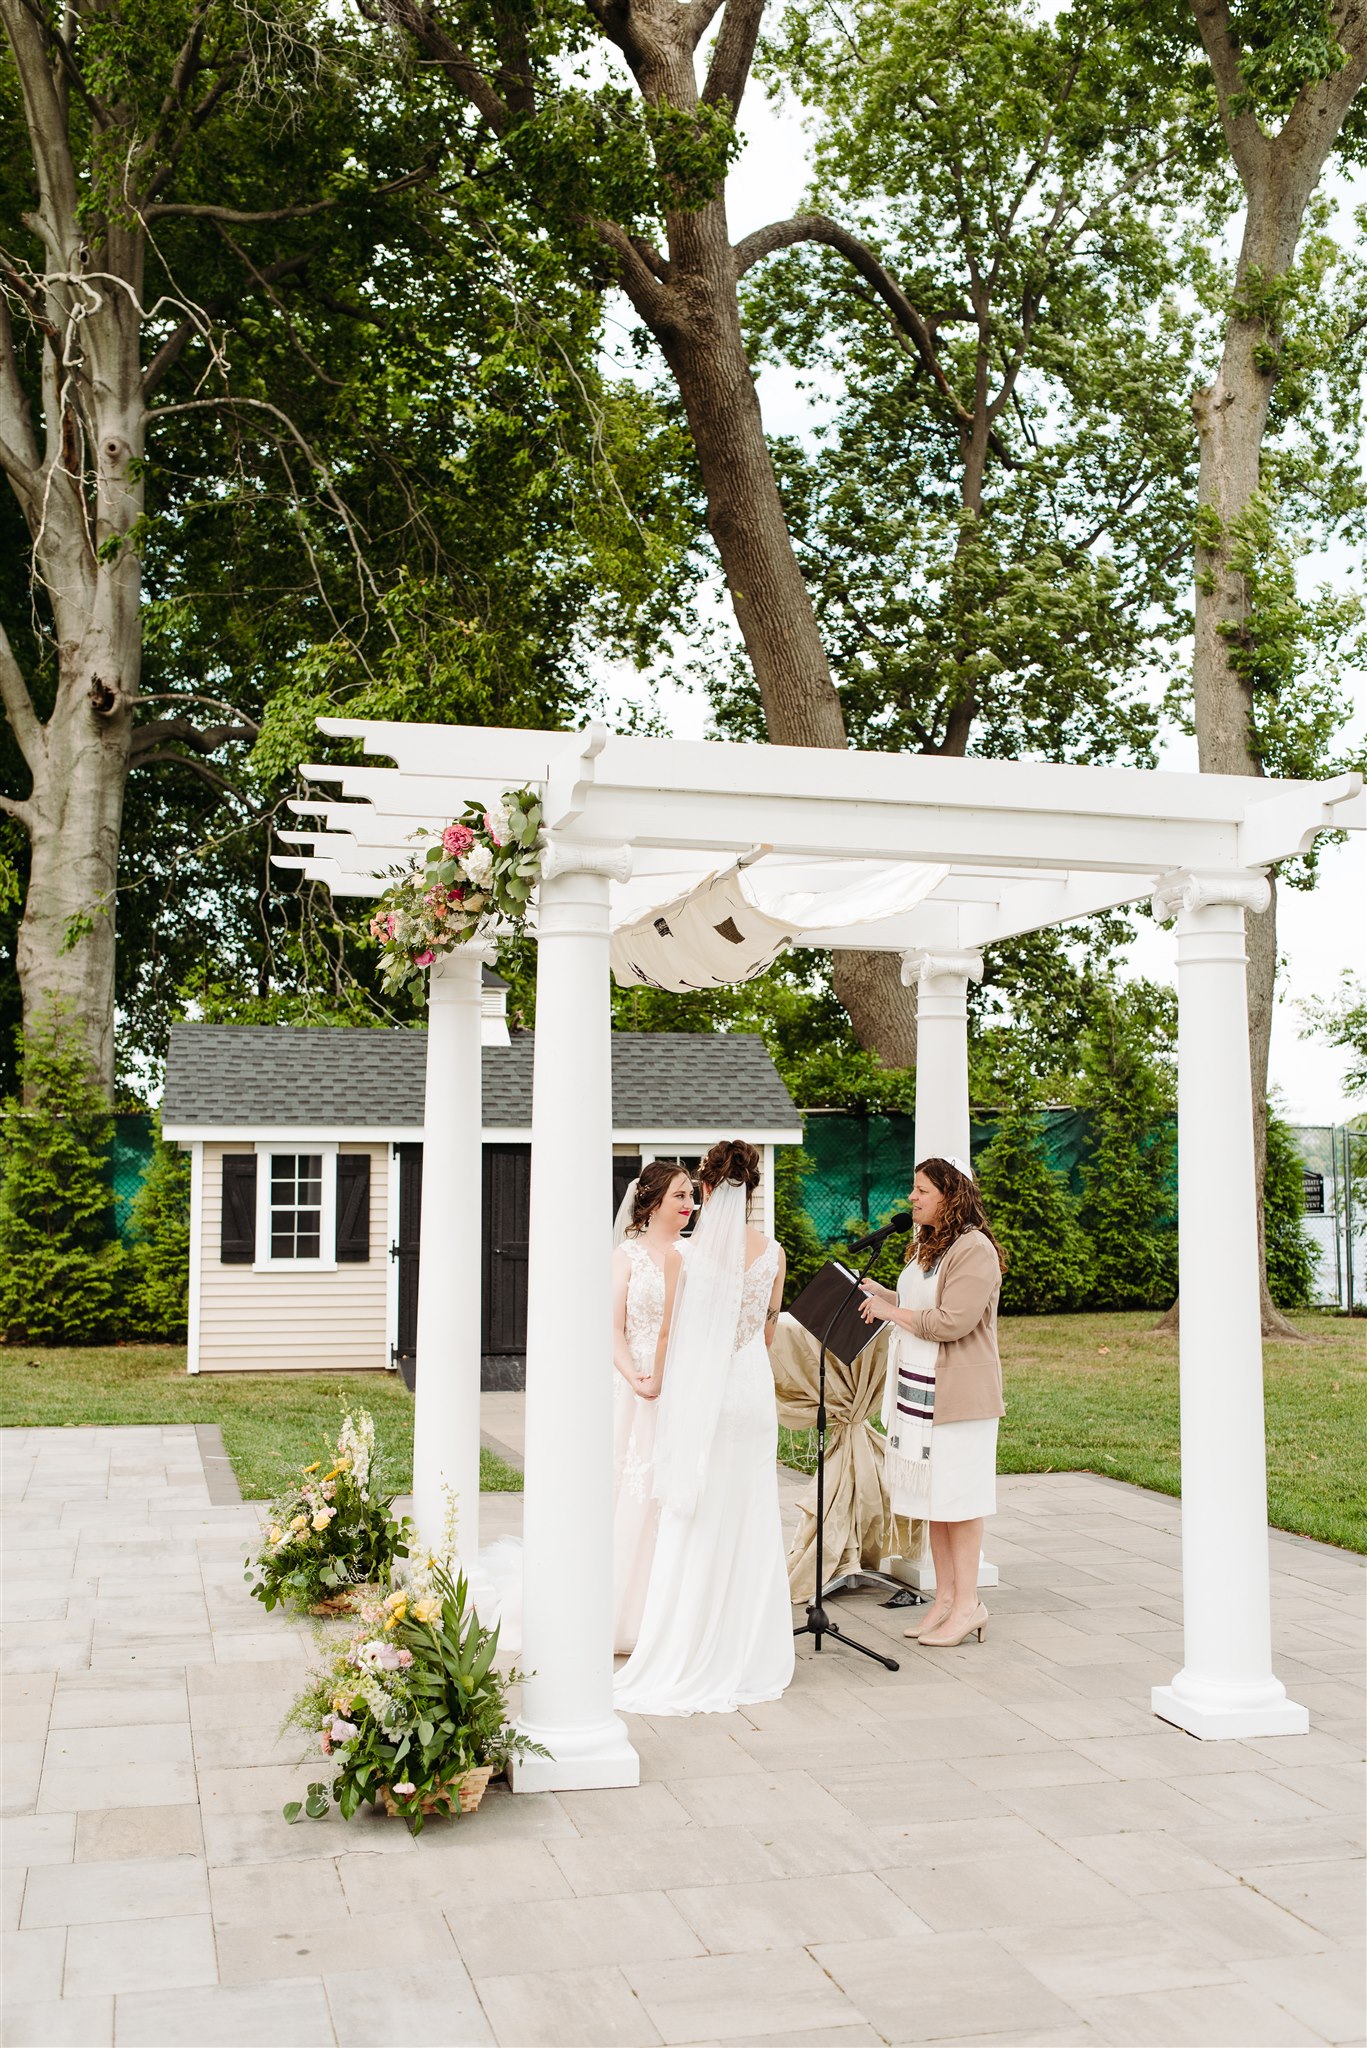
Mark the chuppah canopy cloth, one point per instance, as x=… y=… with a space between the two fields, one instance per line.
x=860 y=1527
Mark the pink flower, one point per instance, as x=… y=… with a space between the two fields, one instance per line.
x=343 y=1731
x=404 y=1791
x=405 y=1659
x=325 y=1741
x=424 y=959
x=491 y=830
x=456 y=840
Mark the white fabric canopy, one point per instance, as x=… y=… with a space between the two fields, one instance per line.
x=732 y=924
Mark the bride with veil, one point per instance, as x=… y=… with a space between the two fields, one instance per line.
x=716 y=1631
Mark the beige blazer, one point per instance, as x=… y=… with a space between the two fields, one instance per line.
x=963 y=1322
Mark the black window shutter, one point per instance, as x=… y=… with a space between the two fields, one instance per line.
x=237 y=1239
x=353 y=1205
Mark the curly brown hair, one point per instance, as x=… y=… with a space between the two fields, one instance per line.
x=652 y=1185
x=961 y=1210
x=731 y=1159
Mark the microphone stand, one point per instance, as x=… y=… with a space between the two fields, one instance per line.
x=819 y=1624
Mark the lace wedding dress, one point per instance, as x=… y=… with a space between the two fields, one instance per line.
x=635 y=1513
x=717 y=1628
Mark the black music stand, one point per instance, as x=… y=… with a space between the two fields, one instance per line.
x=819 y=1623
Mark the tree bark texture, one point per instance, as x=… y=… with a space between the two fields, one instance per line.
x=1279 y=174
x=81 y=493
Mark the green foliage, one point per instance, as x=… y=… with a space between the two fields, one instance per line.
x=1031 y=1211
x=1129 y=1208
x=63 y=1276
x=1290 y=1254
x=410 y=1704
x=1342 y=1021
x=325 y=1535
x=793 y=1227
x=160 y=1293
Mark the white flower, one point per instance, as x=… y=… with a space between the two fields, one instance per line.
x=357 y=1443
x=478 y=864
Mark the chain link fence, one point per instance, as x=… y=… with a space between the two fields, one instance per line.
x=1334 y=1164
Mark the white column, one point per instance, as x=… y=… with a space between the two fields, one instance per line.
x=1226 y=1686
x=941 y=981
x=567 y=1505
x=446 y=1389
x=942 y=1121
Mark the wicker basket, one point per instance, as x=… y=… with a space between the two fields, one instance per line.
x=469 y=1785
x=348 y=1601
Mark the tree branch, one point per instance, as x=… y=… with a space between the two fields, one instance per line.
x=427 y=32
x=733 y=53
x=203 y=769
x=19 y=710
x=197 y=323
x=638 y=280
x=19 y=457
x=699 y=18
x=819 y=228
x=1247 y=144
x=159 y=732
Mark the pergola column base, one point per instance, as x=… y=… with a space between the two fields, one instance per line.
x=919 y=1572
x=1229 y=1713
x=580 y=1760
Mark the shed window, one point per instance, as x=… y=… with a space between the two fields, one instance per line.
x=296 y=1205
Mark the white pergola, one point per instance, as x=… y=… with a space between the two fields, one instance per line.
x=970 y=853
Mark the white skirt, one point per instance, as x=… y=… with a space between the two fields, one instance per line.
x=963 y=1470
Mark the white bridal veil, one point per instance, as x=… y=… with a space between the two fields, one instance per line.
x=702 y=1342
x=622 y=1220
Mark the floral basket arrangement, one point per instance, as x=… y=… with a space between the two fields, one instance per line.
x=480 y=871
x=411 y=1708
x=332 y=1532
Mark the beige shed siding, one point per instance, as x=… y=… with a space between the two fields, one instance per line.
x=293 y=1322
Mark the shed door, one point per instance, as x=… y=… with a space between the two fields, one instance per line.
x=507 y=1207
x=405 y=1253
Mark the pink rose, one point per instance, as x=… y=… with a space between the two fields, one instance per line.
x=343 y=1731
x=456 y=840
x=405 y=1659
x=404 y=1791
x=489 y=828
x=424 y=959
x=325 y=1741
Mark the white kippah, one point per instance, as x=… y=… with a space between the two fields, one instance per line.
x=960 y=1165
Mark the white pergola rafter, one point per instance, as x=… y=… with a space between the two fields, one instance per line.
x=998 y=849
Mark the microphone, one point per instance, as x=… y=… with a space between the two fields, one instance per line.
x=903 y=1220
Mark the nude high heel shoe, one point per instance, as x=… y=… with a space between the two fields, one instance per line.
x=927 y=1621
x=975 y=1628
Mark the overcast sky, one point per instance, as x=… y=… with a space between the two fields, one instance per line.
x=1319 y=933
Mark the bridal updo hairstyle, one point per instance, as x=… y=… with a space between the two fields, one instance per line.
x=731 y=1161
x=962 y=1210
x=653 y=1184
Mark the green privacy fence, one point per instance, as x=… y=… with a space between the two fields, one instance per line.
x=130 y=1154
x=861 y=1166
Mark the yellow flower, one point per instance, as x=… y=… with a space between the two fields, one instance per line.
x=300 y=1522
x=312 y=1468
x=323 y=1517
x=397 y=1611
x=277 y=1535
x=427 y=1610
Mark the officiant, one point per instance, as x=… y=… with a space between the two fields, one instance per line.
x=945 y=1388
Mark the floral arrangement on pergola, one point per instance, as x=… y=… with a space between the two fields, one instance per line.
x=479 y=871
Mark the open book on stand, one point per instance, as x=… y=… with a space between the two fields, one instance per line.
x=833 y=1294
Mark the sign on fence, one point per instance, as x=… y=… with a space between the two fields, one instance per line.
x=1314 y=1192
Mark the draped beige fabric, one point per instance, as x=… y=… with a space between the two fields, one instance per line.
x=860 y=1529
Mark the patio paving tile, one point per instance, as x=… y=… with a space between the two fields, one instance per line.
x=278 y=1894
x=423 y=2006
x=139 y=1955
x=452 y=1878
x=958 y=1984
x=1141 y=1862
x=672 y=1858
x=1235 y=1923
x=567 y=2009
x=1199 y=2016
x=59 y=2023
x=728 y=1997
x=1325 y=1898
x=1041 y=1886
x=791 y=1912
x=1324 y=1991
x=254 y=1955
x=1086 y=1962
x=31 y=1964
x=76 y=1894
x=37 y=1838
x=127 y=1832
x=565 y=1934
x=228 y=2016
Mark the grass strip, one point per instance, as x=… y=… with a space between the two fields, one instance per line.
x=1099 y=1393
x=273 y=1423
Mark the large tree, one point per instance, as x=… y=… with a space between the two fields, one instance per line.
x=284 y=418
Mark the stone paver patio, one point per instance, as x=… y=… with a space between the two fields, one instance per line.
x=995 y=1844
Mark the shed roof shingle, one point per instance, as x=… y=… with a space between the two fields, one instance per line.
x=247 y=1076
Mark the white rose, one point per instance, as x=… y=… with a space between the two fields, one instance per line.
x=478 y=864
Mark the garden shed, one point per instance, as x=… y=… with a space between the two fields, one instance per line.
x=306 y=1145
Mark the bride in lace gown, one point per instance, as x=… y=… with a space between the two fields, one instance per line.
x=645 y=1264
x=716 y=1632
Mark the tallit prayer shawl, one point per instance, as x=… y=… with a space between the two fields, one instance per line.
x=907 y=1464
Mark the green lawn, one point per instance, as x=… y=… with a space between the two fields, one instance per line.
x=272 y=1423
x=1094 y=1393
x=1098 y=1393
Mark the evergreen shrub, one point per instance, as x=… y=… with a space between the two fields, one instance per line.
x=1129 y=1179
x=1032 y=1213
x=64 y=1278
x=160 y=1294
x=1290 y=1254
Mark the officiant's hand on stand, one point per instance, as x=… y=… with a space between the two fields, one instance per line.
x=880 y=1305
